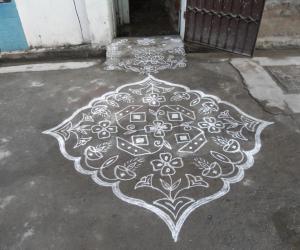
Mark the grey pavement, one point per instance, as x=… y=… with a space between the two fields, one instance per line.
x=46 y=204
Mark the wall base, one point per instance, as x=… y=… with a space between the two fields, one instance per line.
x=51 y=54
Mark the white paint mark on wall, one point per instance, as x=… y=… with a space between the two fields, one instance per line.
x=47 y=67
x=4 y=202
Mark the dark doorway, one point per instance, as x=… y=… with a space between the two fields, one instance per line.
x=151 y=18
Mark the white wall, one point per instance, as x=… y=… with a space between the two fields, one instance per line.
x=101 y=20
x=49 y=22
x=52 y=23
x=83 y=19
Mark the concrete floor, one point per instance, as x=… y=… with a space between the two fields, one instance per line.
x=46 y=204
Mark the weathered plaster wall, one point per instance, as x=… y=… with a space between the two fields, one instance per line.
x=49 y=22
x=52 y=23
x=101 y=17
x=280 y=25
x=83 y=21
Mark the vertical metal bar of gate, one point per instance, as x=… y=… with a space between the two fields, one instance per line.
x=230 y=25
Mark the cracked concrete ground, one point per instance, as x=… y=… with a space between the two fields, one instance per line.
x=46 y=204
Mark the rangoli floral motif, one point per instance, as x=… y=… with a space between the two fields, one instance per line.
x=161 y=146
x=147 y=55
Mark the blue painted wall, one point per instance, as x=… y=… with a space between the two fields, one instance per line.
x=12 y=36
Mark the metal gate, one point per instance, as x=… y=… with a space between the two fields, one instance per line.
x=230 y=25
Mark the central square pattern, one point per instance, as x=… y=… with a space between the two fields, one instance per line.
x=183 y=137
x=175 y=116
x=138 y=117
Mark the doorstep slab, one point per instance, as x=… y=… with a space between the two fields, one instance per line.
x=146 y=55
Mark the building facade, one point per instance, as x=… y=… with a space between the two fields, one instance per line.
x=53 y=23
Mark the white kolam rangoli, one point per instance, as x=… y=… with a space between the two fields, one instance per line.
x=161 y=146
